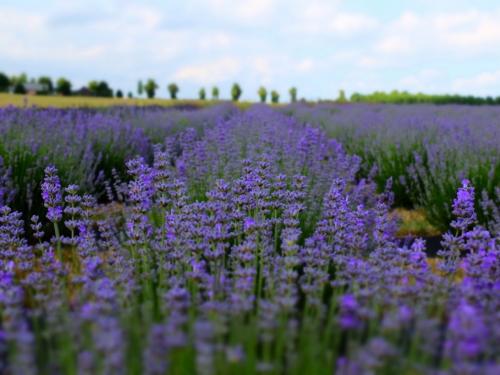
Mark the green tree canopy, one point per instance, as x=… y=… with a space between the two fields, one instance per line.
x=262 y=92
x=202 y=94
x=100 y=89
x=275 y=96
x=47 y=83
x=4 y=82
x=63 y=86
x=236 y=92
x=215 y=92
x=150 y=88
x=140 y=88
x=173 y=90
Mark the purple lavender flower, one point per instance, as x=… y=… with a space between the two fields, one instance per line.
x=52 y=194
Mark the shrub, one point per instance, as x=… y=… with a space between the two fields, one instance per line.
x=293 y=94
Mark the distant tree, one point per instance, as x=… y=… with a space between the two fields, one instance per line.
x=215 y=92
x=22 y=79
x=275 y=97
x=4 y=82
x=140 y=88
x=150 y=88
x=63 y=86
x=119 y=93
x=293 y=94
x=19 y=88
x=173 y=89
x=202 y=94
x=100 y=89
x=262 y=94
x=92 y=86
x=236 y=92
x=48 y=85
x=130 y=95
x=342 y=98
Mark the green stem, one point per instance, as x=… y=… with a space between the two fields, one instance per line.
x=58 y=241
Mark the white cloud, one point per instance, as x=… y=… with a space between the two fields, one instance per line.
x=209 y=72
x=426 y=80
x=241 y=10
x=305 y=65
x=394 y=44
x=215 y=40
x=327 y=18
x=487 y=82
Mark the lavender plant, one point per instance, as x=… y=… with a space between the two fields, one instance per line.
x=248 y=247
x=427 y=150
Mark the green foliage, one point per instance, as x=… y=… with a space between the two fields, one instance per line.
x=173 y=89
x=236 y=92
x=140 y=88
x=275 y=97
x=20 y=79
x=4 y=82
x=63 y=87
x=130 y=95
x=47 y=83
x=19 y=88
x=293 y=94
x=119 y=93
x=150 y=88
x=100 y=89
x=342 y=98
x=215 y=92
x=404 y=97
x=262 y=94
x=202 y=94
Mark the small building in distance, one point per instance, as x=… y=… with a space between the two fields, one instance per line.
x=83 y=91
x=30 y=88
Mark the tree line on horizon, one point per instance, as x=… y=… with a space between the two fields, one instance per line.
x=100 y=88
x=405 y=97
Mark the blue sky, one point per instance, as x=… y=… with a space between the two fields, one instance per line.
x=319 y=46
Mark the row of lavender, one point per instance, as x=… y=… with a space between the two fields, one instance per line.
x=250 y=248
x=427 y=150
x=87 y=146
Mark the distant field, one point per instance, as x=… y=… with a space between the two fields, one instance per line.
x=85 y=101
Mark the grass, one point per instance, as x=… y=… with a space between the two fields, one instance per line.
x=414 y=223
x=86 y=101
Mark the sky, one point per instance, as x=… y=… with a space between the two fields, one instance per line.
x=318 y=46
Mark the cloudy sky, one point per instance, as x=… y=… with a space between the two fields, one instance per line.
x=319 y=46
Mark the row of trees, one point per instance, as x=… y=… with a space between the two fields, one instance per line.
x=404 y=97
x=17 y=84
x=45 y=86
x=150 y=87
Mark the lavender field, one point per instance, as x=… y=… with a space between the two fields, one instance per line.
x=227 y=241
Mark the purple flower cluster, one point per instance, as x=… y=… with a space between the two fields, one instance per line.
x=426 y=149
x=249 y=246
